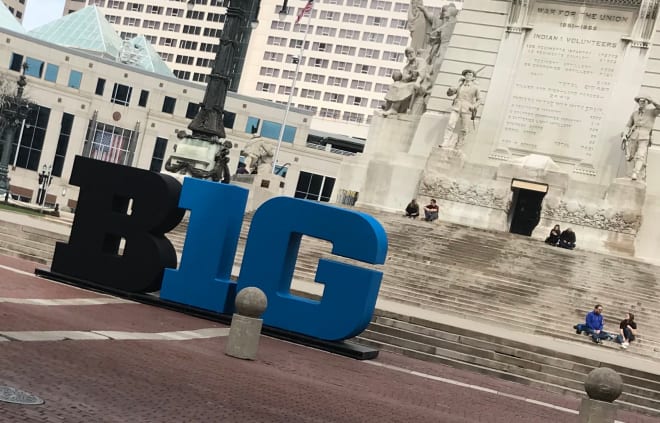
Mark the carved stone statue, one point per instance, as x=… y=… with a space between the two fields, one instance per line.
x=397 y=99
x=259 y=154
x=416 y=70
x=637 y=138
x=463 y=110
x=419 y=25
x=441 y=32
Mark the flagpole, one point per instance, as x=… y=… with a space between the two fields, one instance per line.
x=293 y=86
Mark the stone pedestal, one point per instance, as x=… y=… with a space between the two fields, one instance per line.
x=594 y=411
x=386 y=175
x=391 y=181
x=647 y=243
x=262 y=188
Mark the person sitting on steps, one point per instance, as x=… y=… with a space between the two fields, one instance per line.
x=412 y=209
x=567 y=239
x=431 y=211
x=627 y=331
x=593 y=325
x=553 y=238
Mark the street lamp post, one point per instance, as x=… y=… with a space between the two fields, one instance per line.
x=208 y=131
x=14 y=109
x=283 y=13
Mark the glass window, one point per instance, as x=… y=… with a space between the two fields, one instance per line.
x=16 y=62
x=252 y=126
x=228 y=119
x=51 y=72
x=32 y=141
x=75 y=77
x=159 y=154
x=110 y=143
x=62 y=143
x=35 y=67
x=121 y=94
x=192 y=110
x=272 y=130
x=100 y=86
x=144 y=97
x=168 y=104
x=314 y=187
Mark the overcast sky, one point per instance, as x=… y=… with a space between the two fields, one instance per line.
x=39 y=12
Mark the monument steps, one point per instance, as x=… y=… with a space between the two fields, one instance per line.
x=502 y=358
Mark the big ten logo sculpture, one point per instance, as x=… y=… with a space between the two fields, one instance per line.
x=139 y=207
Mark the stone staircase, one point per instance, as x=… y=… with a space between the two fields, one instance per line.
x=509 y=282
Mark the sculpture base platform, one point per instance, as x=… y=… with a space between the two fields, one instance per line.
x=344 y=348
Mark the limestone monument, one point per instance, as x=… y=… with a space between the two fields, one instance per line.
x=553 y=97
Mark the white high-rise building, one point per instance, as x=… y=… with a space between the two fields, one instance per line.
x=351 y=50
x=16 y=7
x=186 y=39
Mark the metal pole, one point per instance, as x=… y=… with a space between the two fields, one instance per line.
x=18 y=147
x=293 y=88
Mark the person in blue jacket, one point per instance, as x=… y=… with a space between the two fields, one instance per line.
x=593 y=325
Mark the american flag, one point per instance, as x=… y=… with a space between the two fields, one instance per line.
x=304 y=10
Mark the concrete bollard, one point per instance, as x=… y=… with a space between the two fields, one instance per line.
x=603 y=386
x=245 y=330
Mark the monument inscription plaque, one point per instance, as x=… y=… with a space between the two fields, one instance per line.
x=565 y=76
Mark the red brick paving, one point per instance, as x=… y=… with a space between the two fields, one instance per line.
x=193 y=381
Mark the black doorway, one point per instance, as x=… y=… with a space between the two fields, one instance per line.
x=526 y=204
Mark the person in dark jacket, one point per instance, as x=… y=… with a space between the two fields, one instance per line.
x=593 y=325
x=567 y=239
x=553 y=238
x=627 y=331
x=412 y=209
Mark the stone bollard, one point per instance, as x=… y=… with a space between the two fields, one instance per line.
x=603 y=386
x=245 y=330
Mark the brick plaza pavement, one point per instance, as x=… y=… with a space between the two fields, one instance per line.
x=193 y=381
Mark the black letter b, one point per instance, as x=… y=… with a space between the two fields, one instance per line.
x=120 y=202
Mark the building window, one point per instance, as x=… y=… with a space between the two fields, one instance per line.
x=100 y=86
x=265 y=87
x=121 y=94
x=192 y=110
x=16 y=62
x=33 y=137
x=158 y=155
x=182 y=74
x=51 y=72
x=110 y=144
x=35 y=67
x=62 y=143
x=252 y=126
x=75 y=78
x=168 y=104
x=353 y=117
x=314 y=187
x=271 y=130
x=144 y=97
x=329 y=113
x=228 y=119
x=200 y=77
x=134 y=7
